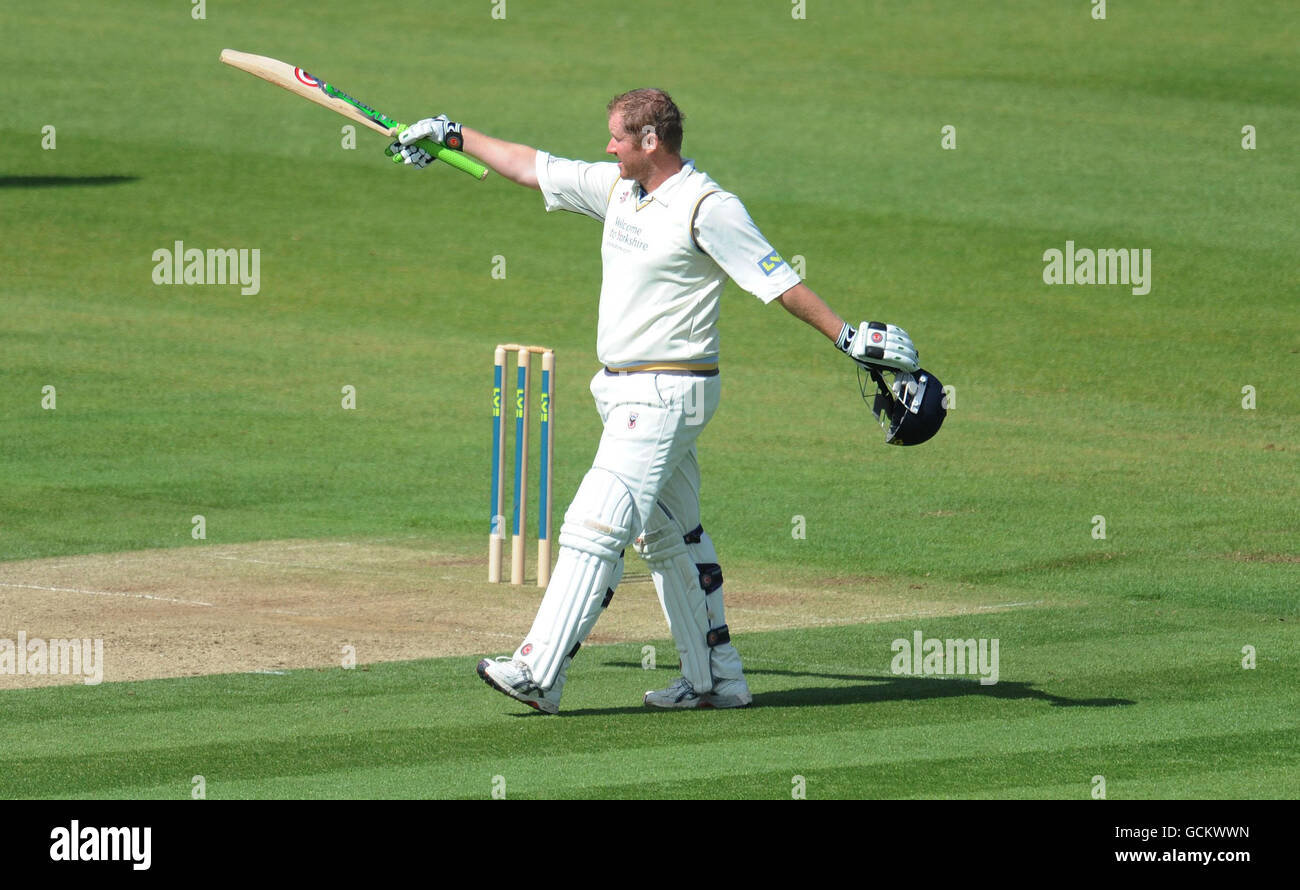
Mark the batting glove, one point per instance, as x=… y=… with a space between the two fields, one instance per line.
x=439 y=129
x=880 y=345
x=410 y=154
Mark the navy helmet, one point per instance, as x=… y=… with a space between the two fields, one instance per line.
x=911 y=409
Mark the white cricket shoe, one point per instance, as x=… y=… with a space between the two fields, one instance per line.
x=513 y=678
x=725 y=694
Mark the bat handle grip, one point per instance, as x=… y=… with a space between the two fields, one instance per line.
x=455 y=158
x=447 y=155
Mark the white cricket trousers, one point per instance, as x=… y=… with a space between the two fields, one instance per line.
x=645 y=478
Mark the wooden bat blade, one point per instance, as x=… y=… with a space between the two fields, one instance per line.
x=303 y=84
x=298 y=81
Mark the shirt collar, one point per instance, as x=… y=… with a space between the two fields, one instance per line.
x=667 y=188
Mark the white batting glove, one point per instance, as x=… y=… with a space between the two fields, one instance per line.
x=439 y=129
x=410 y=154
x=882 y=345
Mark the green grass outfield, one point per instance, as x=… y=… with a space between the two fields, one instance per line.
x=1145 y=708
x=1071 y=402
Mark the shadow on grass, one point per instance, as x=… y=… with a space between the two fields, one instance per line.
x=585 y=712
x=29 y=182
x=872 y=688
x=882 y=689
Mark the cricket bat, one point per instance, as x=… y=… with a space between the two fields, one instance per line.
x=296 y=80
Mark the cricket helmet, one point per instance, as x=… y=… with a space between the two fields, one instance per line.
x=910 y=409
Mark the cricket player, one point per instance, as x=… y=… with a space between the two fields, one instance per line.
x=671 y=238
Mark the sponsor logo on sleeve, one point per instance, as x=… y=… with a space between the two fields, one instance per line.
x=771 y=263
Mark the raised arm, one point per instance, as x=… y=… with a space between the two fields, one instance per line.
x=511 y=160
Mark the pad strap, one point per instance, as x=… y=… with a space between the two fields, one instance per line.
x=710 y=576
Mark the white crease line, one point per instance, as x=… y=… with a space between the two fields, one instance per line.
x=143 y=596
x=75 y=564
x=254 y=545
x=150 y=596
x=80 y=562
x=1011 y=605
x=310 y=545
x=484 y=633
x=318 y=544
x=303 y=565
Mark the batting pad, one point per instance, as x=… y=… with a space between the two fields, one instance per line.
x=724 y=660
x=588 y=621
x=597 y=527
x=680 y=500
x=677 y=581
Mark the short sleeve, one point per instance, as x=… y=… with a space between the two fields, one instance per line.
x=576 y=186
x=725 y=232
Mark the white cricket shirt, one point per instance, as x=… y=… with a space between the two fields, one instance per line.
x=660 y=289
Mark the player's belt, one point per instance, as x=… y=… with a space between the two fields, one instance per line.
x=707 y=370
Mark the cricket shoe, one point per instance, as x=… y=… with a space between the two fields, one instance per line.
x=725 y=694
x=513 y=678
